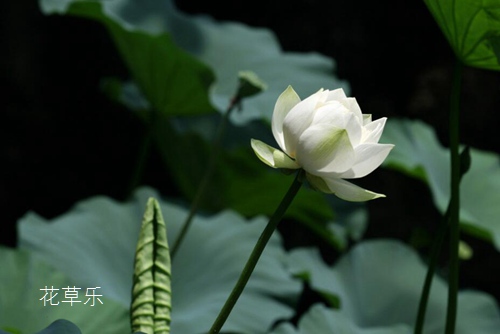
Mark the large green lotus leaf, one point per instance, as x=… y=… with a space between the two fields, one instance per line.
x=174 y=82
x=379 y=285
x=94 y=244
x=227 y=47
x=320 y=319
x=23 y=274
x=469 y=26
x=419 y=153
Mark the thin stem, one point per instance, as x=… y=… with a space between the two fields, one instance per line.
x=206 y=177
x=142 y=158
x=453 y=280
x=435 y=251
x=256 y=253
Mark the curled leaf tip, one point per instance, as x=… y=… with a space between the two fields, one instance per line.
x=151 y=292
x=249 y=84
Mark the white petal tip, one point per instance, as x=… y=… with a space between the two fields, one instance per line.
x=364 y=197
x=342 y=189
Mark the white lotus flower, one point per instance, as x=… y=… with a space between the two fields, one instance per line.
x=327 y=135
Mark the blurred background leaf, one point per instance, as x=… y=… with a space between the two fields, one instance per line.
x=419 y=154
x=379 y=283
x=98 y=238
x=321 y=319
x=22 y=276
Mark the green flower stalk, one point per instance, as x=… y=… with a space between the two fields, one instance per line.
x=326 y=138
x=256 y=253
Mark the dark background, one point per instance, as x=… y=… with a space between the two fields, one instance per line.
x=62 y=140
